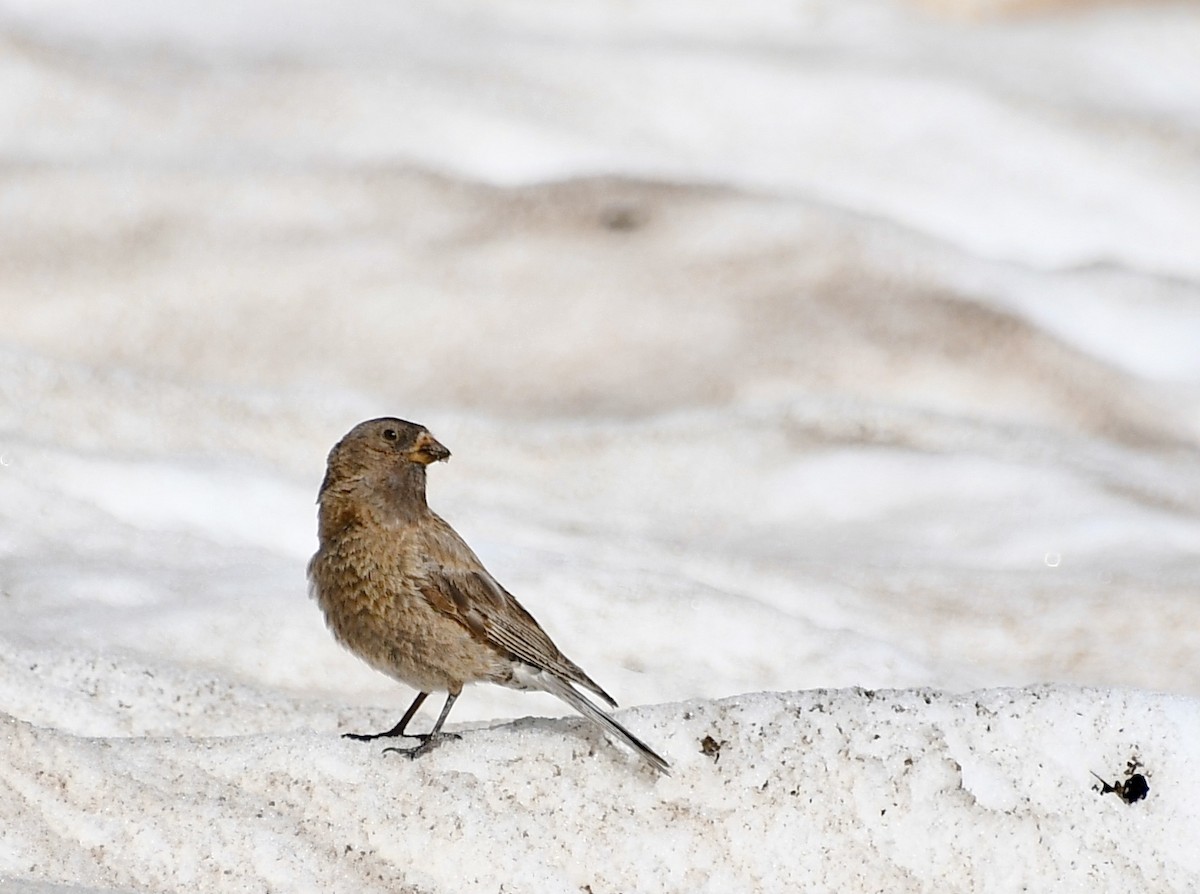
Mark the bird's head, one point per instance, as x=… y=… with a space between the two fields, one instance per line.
x=380 y=450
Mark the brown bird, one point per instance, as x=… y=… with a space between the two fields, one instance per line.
x=402 y=591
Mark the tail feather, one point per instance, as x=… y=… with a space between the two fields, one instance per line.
x=562 y=689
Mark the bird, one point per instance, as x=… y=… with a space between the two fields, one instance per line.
x=401 y=589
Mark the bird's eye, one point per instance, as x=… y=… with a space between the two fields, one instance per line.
x=391 y=434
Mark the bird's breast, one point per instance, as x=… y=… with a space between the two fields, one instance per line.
x=369 y=590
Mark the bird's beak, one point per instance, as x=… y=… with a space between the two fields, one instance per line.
x=428 y=450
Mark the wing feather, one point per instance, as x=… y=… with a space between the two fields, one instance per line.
x=457 y=585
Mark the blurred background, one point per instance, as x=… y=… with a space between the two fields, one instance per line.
x=779 y=344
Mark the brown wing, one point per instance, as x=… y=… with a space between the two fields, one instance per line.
x=456 y=584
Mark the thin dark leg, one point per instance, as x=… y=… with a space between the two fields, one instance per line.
x=398 y=729
x=434 y=737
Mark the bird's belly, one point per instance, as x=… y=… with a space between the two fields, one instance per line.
x=405 y=638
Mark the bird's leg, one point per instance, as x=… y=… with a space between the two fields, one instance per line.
x=434 y=737
x=398 y=729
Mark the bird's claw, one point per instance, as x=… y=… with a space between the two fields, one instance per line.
x=370 y=737
x=429 y=742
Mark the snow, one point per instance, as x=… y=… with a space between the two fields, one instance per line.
x=824 y=378
x=849 y=788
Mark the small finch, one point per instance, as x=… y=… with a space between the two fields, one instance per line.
x=402 y=591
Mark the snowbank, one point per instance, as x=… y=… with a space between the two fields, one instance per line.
x=838 y=790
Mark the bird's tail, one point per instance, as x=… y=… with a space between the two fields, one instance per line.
x=573 y=697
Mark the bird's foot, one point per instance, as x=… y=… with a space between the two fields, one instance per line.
x=429 y=741
x=367 y=737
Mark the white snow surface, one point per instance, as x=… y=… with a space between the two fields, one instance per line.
x=825 y=378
